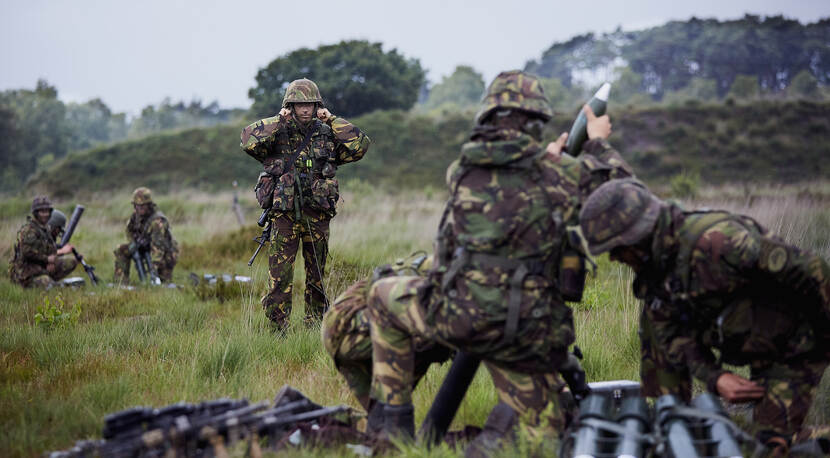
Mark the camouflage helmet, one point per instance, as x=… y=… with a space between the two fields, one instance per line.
x=40 y=203
x=517 y=90
x=142 y=196
x=618 y=213
x=301 y=91
x=57 y=219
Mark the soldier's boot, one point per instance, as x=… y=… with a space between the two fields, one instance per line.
x=498 y=430
x=388 y=421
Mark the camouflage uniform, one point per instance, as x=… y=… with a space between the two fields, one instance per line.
x=32 y=249
x=345 y=331
x=305 y=197
x=715 y=280
x=150 y=232
x=494 y=291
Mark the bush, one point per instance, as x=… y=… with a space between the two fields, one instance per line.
x=685 y=184
x=53 y=314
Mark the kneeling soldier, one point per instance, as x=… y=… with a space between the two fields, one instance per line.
x=37 y=259
x=346 y=332
x=147 y=230
x=715 y=280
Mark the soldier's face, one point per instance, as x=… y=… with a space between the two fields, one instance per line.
x=304 y=111
x=43 y=215
x=142 y=209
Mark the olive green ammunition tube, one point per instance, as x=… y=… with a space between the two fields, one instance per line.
x=679 y=439
x=721 y=440
x=589 y=440
x=579 y=131
x=633 y=417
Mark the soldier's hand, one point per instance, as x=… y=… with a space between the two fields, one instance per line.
x=285 y=112
x=324 y=114
x=598 y=127
x=66 y=249
x=554 y=149
x=735 y=388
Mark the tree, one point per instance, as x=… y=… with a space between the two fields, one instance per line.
x=745 y=87
x=699 y=89
x=462 y=89
x=354 y=77
x=804 y=86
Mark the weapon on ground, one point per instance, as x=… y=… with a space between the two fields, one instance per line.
x=579 y=132
x=205 y=429
x=263 y=238
x=73 y=223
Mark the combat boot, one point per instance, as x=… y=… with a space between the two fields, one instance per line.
x=498 y=429
x=399 y=421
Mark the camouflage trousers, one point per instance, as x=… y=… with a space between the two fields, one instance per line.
x=123 y=261
x=397 y=314
x=286 y=233
x=790 y=386
x=346 y=338
x=64 y=265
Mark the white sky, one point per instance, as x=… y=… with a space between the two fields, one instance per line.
x=135 y=53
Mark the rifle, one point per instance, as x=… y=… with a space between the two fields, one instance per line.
x=264 y=220
x=67 y=235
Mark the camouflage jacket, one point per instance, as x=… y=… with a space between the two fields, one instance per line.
x=32 y=249
x=272 y=141
x=503 y=229
x=153 y=233
x=718 y=280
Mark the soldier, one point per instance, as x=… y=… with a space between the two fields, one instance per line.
x=300 y=149
x=345 y=331
x=147 y=230
x=496 y=292
x=715 y=280
x=37 y=259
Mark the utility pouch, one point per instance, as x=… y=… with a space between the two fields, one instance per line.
x=326 y=192
x=284 y=193
x=264 y=189
x=572 y=269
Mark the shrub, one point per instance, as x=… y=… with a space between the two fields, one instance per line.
x=53 y=314
x=685 y=184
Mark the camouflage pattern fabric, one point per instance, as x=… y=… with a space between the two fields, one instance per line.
x=306 y=192
x=142 y=196
x=346 y=335
x=286 y=233
x=515 y=90
x=272 y=141
x=499 y=243
x=301 y=91
x=722 y=281
x=152 y=232
x=33 y=246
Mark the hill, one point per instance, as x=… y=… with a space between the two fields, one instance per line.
x=762 y=141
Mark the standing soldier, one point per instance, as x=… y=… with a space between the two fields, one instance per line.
x=715 y=280
x=147 y=230
x=300 y=150
x=37 y=259
x=496 y=292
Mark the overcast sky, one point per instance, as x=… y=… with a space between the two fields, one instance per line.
x=135 y=53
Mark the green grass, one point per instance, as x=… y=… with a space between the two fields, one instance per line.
x=157 y=346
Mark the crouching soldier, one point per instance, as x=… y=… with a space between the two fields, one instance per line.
x=37 y=259
x=147 y=231
x=346 y=336
x=715 y=280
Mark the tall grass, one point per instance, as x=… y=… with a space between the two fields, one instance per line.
x=160 y=346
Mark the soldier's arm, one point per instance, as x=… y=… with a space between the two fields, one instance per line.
x=30 y=248
x=350 y=142
x=258 y=138
x=158 y=235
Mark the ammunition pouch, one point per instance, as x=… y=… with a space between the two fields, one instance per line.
x=284 y=193
x=325 y=192
x=264 y=190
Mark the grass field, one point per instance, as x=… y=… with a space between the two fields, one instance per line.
x=158 y=346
